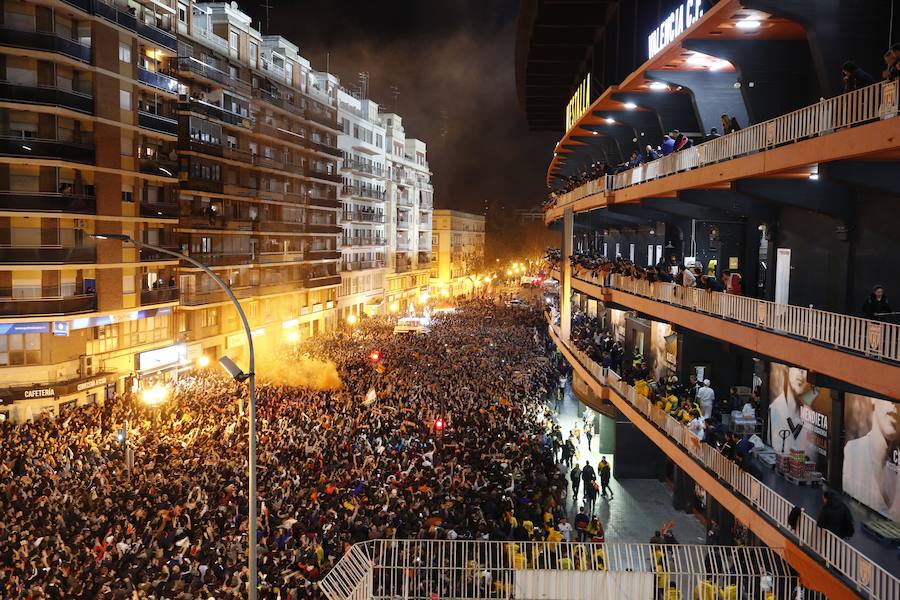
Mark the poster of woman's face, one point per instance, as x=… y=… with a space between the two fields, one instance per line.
x=663 y=349
x=871 y=472
x=798 y=414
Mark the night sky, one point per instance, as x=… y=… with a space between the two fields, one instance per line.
x=453 y=62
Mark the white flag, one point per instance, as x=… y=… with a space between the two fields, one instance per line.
x=370 y=397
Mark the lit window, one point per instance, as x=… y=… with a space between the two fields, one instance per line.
x=125 y=52
x=125 y=99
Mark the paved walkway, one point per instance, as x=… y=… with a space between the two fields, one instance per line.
x=637 y=506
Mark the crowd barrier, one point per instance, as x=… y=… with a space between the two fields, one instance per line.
x=868 y=578
x=465 y=569
x=877 y=101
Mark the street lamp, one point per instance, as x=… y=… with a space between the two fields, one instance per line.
x=238 y=376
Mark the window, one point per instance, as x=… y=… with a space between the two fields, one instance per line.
x=127 y=193
x=125 y=52
x=124 y=99
x=127 y=284
x=233 y=40
x=182 y=13
x=20 y=349
x=254 y=53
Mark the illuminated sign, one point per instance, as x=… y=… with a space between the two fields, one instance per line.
x=38 y=327
x=580 y=102
x=680 y=19
x=161 y=357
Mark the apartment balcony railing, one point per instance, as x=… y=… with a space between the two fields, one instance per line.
x=874 y=339
x=158 y=165
x=320 y=281
x=322 y=174
x=362 y=192
x=47 y=254
x=403 y=224
x=324 y=148
x=860 y=106
x=322 y=228
x=48 y=95
x=867 y=577
x=159 y=295
x=154 y=122
x=49 y=303
x=426 y=204
x=124 y=16
x=362 y=241
x=44 y=148
x=170 y=210
x=322 y=119
x=292 y=256
x=402 y=266
x=404 y=201
x=199 y=297
x=361 y=265
x=189 y=64
x=217 y=221
x=369 y=169
x=360 y=216
x=147 y=255
x=323 y=201
x=218 y=259
x=48 y=202
x=482 y=570
x=203 y=185
x=215 y=112
x=160 y=81
x=276 y=226
x=321 y=255
x=208 y=37
x=44 y=40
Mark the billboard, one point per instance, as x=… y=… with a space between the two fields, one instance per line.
x=663 y=349
x=871 y=471
x=799 y=414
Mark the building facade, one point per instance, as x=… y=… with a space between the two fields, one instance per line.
x=458 y=248
x=179 y=124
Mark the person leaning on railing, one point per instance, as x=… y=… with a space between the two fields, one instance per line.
x=877 y=303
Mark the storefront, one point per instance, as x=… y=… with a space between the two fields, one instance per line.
x=22 y=403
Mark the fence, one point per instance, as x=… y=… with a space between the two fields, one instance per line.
x=877 y=101
x=458 y=569
x=874 y=339
x=869 y=579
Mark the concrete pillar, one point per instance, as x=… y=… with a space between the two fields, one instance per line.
x=565 y=299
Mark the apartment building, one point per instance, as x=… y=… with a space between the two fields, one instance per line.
x=458 y=250
x=88 y=133
x=365 y=176
x=410 y=204
x=179 y=124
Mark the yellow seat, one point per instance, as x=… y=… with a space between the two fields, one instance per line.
x=730 y=592
x=706 y=590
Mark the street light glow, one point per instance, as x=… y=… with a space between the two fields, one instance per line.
x=351 y=319
x=203 y=361
x=155 y=395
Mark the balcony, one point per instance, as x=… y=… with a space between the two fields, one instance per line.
x=157 y=123
x=125 y=17
x=215 y=112
x=47 y=254
x=362 y=265
x=322 y=119
x=47 y=95
x=424 y=258
x=321 y=255
x=203 y=185
x=403 y=224
x=157 y=165
x=158 y=80
x=837 y=563
x=404 y=201
x=320 y=281
x=147 y=255
x=45 y=40
x=359 y=216
x=217 y=221
x=47 y=304
x=363 y=192
x=170 y=210
x=402 y=266
x=48 y=202
x=324 y=148
x=218 y=259
x=189 y=64
x=365 y=168
x=277 y=226
x=322 y=174
x=323 y=202
x=362 y=241
x=322 y=228
x=159 y=296
x=43 y=148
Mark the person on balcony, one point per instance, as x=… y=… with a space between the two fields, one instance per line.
x=854 y=77
x=892 y=62
x=877 y=303
x=667 y=146
x=835 y=516
x=729 y=124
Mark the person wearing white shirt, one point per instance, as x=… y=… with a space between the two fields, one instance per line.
x=565 y=528
x=706 y=397
x=697 y=427
x=870 y=467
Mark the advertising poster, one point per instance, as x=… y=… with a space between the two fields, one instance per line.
x=663 y=349
x=617 y=324
x=872 y=453
x=799 y=414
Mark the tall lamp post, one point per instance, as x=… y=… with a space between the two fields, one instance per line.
x=239 y=376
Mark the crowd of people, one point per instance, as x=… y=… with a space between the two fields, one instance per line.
x=78 y=520
x=590 y=263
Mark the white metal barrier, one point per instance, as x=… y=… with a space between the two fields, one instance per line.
x=877 y=101
x=450 y=570
x=874 y=339
x=870 y=579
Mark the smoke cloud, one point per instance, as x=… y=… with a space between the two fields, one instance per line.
x=276 y=365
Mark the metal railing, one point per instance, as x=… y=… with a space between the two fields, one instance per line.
x=871 y=338
x=463 y=569
x=877 y=101
x=868 y=578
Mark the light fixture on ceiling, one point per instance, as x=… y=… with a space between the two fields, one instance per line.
x=697 y=59
x=596 y=132
x=610 y=120
x=748 y=24
x=719 y=65
x=630 y=105
x=658 y=86
x=814 y=176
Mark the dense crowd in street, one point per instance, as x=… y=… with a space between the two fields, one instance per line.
x=335 y=467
